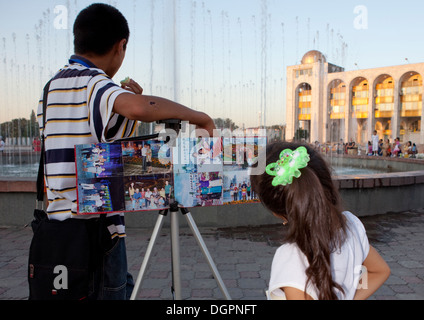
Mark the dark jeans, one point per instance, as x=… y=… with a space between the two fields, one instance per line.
x=144 y=158
x=112 y=281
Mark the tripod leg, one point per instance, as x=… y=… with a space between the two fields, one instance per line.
x=175 y=251
x=155 y=234
x=206 y=253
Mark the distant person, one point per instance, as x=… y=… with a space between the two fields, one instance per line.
x=147 y=196
x=380 y=147
x=143 y=198
x=414 y=150
x=232 y=192
x=240 y=192
x=351 y=144
x=325 y=249
x=370 y=152
x=235 y=190
x=144 y=157
x=136 y=199
x=153 y=202
x=2 y=145
x=374 y=141
x=340 y=147
x=149 y=154
x=388 y=148
x=161 y=202
x=36 y=144
x=408 y=148
x=397 y=150
x=131 y=191
x=162 y=192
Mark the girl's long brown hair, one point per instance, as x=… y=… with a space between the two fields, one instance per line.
x=312 y=206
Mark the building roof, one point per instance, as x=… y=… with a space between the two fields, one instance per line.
x=313 y=56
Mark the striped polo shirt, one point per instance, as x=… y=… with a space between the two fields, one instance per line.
x=79 y=111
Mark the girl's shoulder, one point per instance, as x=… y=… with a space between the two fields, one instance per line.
x=289 y=253
x=353 y=220
x=356 y=232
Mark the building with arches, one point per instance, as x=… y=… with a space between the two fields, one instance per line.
x=328 y=103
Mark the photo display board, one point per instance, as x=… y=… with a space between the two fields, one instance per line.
x=146 y=175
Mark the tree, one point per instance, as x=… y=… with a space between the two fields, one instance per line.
x=34 y=129
x=20 y=127
x=225 y=124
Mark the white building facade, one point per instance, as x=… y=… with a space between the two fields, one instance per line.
x=329 y=103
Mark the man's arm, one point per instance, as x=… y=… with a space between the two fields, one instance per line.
x=151 y=108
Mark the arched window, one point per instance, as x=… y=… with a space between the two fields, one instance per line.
x=304 y=95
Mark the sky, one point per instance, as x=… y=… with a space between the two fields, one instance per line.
x=224 y=57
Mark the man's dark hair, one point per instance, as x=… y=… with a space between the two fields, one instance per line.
x=98 y=28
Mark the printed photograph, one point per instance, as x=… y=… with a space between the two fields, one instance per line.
x=237 y=188
x=193 y=155
x=185 y=189
x=99 y=160
x=100 y=195
x=182 y=157
x=242 y=153
x=208 y=155
x=146 y=157
x=202 y=189
x=148 y=192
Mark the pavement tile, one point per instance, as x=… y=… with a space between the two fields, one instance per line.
x=243 y=257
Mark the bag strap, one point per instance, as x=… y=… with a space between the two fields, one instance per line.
x=40 y=178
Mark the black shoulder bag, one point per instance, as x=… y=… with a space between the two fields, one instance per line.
x=63 y=254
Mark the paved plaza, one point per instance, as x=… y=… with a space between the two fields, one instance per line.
x=243 y=256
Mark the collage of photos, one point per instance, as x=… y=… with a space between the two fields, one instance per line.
x=123 y=176
x=148 y=175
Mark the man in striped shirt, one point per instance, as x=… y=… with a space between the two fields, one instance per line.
x=85 y=106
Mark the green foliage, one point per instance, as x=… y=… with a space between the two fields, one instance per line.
x=21 y=127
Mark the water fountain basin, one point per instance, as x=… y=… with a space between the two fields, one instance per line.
x=400 y=189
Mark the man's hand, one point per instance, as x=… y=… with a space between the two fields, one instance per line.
x=131 y=85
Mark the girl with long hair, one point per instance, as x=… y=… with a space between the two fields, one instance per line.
x=326 y=249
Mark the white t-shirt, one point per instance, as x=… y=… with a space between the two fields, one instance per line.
x=374 y=139
x=289 y=264
x=79 y=111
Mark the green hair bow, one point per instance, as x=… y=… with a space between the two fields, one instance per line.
x=288 y=167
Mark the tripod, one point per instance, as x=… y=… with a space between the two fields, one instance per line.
x=175 y=251
x=175 y=125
